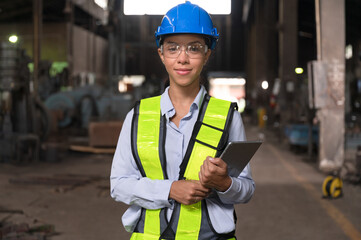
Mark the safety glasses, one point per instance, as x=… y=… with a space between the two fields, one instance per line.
x=193 y=50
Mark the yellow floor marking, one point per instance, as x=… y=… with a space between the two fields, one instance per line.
x=347 y=227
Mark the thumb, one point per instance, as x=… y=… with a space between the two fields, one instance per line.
x=215 y=161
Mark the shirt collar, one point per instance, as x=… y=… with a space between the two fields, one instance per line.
x=167 y=106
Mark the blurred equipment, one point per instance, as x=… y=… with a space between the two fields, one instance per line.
x=332 y=187
x=104 y=134
x=298 y=135
x=79 y=106
x=317 y=86
x=358 y=161
x=24 y=120
x=230 y=86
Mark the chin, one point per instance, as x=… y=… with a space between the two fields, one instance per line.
x=184 y=83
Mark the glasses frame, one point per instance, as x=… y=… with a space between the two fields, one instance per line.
x=185 y=48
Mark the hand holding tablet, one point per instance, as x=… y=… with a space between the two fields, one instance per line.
x=238 y=154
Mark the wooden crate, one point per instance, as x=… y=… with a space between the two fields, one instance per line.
x=104 y=134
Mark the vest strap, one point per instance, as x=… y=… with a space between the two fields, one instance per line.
x=148 y=138
x=209 y=132
x=206 y=141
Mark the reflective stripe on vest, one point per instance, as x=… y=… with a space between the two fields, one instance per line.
x=210 y=133
x=147 y=128
x=148 y=151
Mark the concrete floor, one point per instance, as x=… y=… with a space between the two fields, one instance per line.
x=287 y=204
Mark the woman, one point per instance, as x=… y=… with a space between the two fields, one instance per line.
x=165 y=165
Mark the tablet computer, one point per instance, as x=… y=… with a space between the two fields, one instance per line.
x=238 y=154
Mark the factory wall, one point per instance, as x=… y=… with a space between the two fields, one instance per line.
x=89 y=54
x=88 y=51
x=53 y=39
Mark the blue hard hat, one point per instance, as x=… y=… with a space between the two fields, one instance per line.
x=187 y=18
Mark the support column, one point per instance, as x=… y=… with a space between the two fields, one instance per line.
x=37 y=27
x=287 y=58
x=330 y=23
x=69 y=11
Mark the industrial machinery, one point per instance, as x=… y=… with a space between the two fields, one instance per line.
x=332 y=187
x=79 y=106
x=24 y=121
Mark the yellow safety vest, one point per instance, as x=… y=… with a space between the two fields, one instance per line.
x=209 y=137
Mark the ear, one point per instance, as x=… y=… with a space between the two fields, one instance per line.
x=161 y=55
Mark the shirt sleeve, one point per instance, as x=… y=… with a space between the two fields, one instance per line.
x=126 y=183
x=243 y=186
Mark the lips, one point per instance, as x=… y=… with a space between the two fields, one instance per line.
x=183 y=71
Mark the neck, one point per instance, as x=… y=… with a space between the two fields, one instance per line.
x=183 y=95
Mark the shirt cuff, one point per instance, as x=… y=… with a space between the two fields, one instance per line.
x=230 y=192
x=163 y=192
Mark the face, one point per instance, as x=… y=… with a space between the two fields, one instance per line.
x=184 y=69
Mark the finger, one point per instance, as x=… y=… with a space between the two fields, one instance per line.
x=204 y=193
x=214 y=161
x=217 y=161
x=195 y=200
x=200 y=175
x=196 y=185
x=205 y=190
x=204 y=172
x=202 y=188
x=205 y=175
x=201 y=196
x=206 y=164
x=208 y=167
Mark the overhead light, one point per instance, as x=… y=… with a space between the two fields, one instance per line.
x=264 y=85
x=228 y=81
x=135 y=80
x=160 y=7
x=102 y=3
x=348 y=52
x=228 y=88
x=126 y=83
x=299 y=70
x=13 y=39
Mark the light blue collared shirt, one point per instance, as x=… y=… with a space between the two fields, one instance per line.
x=128 y=186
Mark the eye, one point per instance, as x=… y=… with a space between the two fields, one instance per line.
x=195 y=48
x=172 y=48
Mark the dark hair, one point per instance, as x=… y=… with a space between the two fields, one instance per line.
x=208 y=41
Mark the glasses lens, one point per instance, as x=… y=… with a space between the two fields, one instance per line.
x=194 y=50
x=171 y=50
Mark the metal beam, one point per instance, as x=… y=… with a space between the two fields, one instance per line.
x=17 y=13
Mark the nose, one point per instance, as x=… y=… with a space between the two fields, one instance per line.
x=183 y=56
